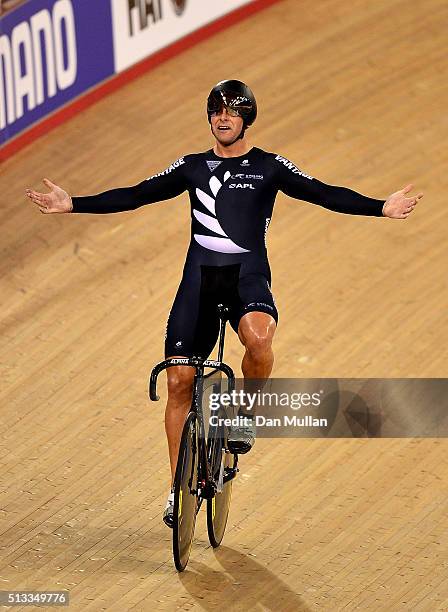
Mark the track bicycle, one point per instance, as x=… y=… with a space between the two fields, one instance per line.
x=205 y=467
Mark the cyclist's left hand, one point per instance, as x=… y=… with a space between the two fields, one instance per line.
x=398 y=206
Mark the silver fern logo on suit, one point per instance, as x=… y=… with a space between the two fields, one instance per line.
x=222 y=244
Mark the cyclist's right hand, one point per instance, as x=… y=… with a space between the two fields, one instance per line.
x=57 y=201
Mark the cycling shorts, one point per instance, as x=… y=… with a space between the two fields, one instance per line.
x=193 y=323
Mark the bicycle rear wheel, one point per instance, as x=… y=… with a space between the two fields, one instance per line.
x=218 y=508
x=185 y=493
x=223 y=466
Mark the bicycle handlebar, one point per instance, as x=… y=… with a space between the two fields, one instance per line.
x=195 y=362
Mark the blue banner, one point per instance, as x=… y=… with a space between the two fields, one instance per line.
x=50 y=53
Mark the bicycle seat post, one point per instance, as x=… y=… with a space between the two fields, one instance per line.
x=223 y=315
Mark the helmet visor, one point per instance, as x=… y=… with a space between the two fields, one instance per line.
x=235 y=104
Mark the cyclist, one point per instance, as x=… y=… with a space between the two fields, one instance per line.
x=232 y=189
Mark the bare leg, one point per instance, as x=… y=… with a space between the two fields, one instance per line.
x=180 y=386
x=256 y=331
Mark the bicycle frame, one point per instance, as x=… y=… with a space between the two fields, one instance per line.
x=206 y=484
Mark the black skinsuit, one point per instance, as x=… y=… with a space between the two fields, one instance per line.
x=232 y=200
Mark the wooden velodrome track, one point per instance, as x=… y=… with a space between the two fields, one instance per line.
x=356 y=94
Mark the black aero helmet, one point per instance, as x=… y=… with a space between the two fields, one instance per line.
x=234 y=95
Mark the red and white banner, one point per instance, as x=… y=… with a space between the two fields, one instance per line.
x=142 y=27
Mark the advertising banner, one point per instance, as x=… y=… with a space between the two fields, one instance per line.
x=142 y=27
x=50 y=52
x=56 y=56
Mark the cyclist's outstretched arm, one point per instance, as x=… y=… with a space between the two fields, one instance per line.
x=167 y=184
x=297 y=184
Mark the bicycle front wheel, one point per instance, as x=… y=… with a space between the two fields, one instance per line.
x=185 y=493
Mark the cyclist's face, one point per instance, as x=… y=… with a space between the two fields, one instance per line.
x=226 y=127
